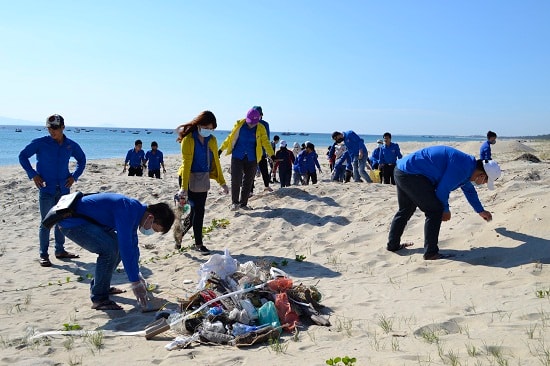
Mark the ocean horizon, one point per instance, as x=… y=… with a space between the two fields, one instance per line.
x=114 y=142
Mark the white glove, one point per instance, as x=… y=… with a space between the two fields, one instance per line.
x=139 y=289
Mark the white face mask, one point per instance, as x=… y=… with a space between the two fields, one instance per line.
x=205 y=132
x=146 y=231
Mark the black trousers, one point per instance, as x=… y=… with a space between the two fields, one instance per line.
x=416 y=191
x=137 y=171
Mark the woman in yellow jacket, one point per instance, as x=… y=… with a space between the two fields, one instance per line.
x=245 y=143
x=200 y=163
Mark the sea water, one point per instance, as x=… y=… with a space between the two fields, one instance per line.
x=106 y=143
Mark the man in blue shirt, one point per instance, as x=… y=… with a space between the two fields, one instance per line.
x=154 y=160
x=112 y=235
x=425 y=179
x=357 y=150
x=136 y=158
x=485 y=149
x=52 y=177
x=389 y=153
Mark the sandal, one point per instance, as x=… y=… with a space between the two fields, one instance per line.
x=45 y=262
x=402 y=246
x=106 y=305
x=115 y=291
x=66 y=255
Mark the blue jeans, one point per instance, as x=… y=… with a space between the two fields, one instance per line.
x=46 y=202
x=103 y=242
x=416 y=191
x=359 y=169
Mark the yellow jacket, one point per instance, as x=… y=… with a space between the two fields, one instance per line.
x=187 y=152
x=261 y=140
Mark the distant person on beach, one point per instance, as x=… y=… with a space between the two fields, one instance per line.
x=308 y=163
x=296 y=176
x=358 y=151
x=375 y=157
x=485 y=149
x=389 y=153
x=112 y=235
x=52 y=178
x=425 y=179
x=264 y=165
x=135 y=157
x=154 y=160
x=245 y=143
x=274 y=144
x=284 y=161
x=199 y=163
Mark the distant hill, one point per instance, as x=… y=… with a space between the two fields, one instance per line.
x=18 y=122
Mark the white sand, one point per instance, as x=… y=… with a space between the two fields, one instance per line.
x=484 y=299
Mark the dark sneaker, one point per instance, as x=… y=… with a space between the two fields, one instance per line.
x=45 y=262
x=245 y=207
x=201 y=249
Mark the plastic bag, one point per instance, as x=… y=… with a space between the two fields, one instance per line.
x=267 y=314
x=287 y=316
x=222 y=265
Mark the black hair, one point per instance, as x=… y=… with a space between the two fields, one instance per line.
x=479 y=165
x=491 y=134
x=164 y=216
x=387 y=134
x=138 y=142
x=154 y=143
x=335 y=134
x=276 y=137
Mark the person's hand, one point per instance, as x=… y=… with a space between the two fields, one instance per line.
x=320 y=171
x=446 y=216
x=139 y=289
x=38 y=181
x=124 y=169
x=486 y=215
x=225 y=189
x=164 y=170
x=69 y=182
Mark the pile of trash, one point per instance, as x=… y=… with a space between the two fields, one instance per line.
x=239 y=305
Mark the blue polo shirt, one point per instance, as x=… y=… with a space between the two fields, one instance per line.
x=154 y=158
x=354 y=143
x=485 y=151
x=201 y=161
x=246 y=143
x=447 y=168
x=389 y=154
x=117 y=212
x=135 y=158
x=52 y=162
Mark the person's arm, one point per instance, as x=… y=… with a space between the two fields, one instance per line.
x=399 y=155
x=24 y=157
x=126 y=160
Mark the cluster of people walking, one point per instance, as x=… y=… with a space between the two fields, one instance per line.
x=107 y=223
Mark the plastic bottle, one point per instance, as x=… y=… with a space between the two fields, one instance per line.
x=182 y=342
x=215 y=310
x=239 y=328
x=186 y=208
x=215 y=337
x=213 y=326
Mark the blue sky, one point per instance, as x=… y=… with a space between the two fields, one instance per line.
x=408 y=67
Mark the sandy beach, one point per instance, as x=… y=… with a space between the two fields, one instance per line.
x=488 y=305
